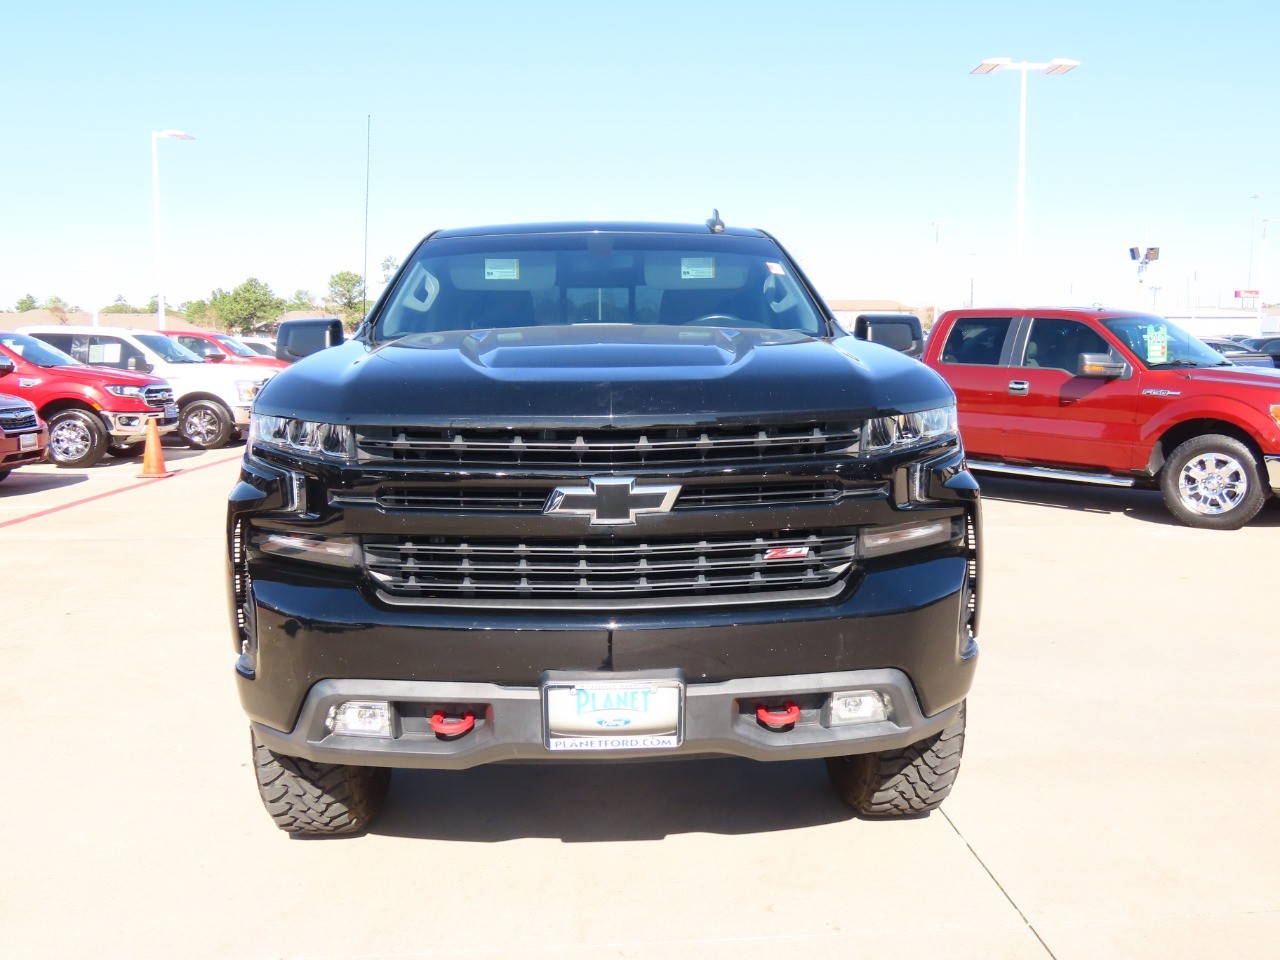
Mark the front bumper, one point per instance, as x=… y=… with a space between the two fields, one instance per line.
x=132 y=426
x=719 y=719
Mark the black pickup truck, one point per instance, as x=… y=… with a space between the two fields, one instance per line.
x=599 y=492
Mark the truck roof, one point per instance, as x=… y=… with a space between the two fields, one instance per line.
x=592 y=226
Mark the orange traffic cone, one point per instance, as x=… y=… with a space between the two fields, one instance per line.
x=153 y=456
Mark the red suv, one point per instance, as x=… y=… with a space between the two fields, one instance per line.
x=221 y=347
x=91 y=411
x=1113 y=397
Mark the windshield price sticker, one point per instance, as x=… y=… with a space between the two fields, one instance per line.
x=1157 y=338
x=613 y=715
x=697 y=268
x=502 y=269
x=775 y=268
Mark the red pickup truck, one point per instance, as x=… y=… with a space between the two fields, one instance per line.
x=1114 y=397
x=91 y=411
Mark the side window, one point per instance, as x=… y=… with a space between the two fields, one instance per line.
x=1057 y=344
x=106 y=352
x=195 y=345
x=976 y=340
x=63 y=341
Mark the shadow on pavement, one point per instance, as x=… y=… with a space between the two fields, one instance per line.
x=1144 y=505
x=31 y=481
x=593 y=802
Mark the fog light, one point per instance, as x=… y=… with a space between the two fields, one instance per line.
x=879 y=541
x=360 y=718
x=858 y=706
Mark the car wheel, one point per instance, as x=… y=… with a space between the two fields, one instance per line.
x=896 y=783
x=1212 y=481
x=205 y=424
x=77 y=438
x=318 y=798
x=126 y=450
x=4 y=473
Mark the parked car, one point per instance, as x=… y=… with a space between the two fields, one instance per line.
x=213 y=399
x=1269 y=345
x=601 y=492
x=263 y=346
x=1238 y=353
x=1113 y=397
x=90 y=411
x=23 y=437
x=222 y=348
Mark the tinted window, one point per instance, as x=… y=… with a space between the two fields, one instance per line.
x=474 y=283
x=976 y=340
x=34 y=351
x=1159 y=343
x=1058 y=344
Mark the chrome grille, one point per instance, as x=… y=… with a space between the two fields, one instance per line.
x=157 y=396
x=608 y=448
x=14 y=419
x=532 y=499
x=780 y=565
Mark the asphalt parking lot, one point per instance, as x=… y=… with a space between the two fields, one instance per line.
x=1117 y=798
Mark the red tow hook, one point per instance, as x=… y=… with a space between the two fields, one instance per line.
x=789 y=715
x=443 y=726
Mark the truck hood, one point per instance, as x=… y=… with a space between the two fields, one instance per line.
x=98 y=376
x=601 y=374
x=1236 y=376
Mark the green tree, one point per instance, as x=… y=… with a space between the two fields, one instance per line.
x=26 y=303
x=121 y=305
x=247 y=307
x=59 y=308
x=346 y=297
x=302 y=300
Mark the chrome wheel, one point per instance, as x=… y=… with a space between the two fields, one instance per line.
x=69 y=440
x=1213 y=483
x=201 y=426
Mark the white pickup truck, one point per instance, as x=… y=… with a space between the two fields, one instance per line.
x=213 y=400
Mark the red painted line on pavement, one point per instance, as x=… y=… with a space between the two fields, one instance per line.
x=112 y=493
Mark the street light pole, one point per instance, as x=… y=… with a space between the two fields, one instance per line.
x=1053 y=68
x=155 y=205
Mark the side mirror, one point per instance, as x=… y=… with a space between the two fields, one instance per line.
x=296 y=339
x=138 y=365
x=897 y=331
x=6 y=366
x=213 y=356
x=1100 y=366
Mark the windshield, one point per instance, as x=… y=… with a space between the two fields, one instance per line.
x=1157 y=343
x=233 y=345
x=170 y=350
x=37 y=352
x=477 y=283
x=260 y=348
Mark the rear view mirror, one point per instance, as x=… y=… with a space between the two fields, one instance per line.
x=1100 y=366
x=6 y=366
x=897 y=331
x=296 y=339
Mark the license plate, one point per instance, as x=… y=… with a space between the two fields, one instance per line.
x=28 y=441
x=170 y=411
x=612 y=714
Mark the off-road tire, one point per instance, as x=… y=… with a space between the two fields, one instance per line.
x=126 y=450
x=205 y=424
x=318 y=798
x=1234 y=467
x=77 y=438
x=898 y=783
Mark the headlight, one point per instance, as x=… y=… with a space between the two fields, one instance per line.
x=907 y=430
x=302 y=437
x=246 y=390
x=124 y=391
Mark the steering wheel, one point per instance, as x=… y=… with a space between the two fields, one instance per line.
x=715 y=320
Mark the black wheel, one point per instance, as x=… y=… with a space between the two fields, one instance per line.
x=126 y=450
x=77 y=438
x=1212 y=481
x=4 y=473
x=896 y=783
x=318 y=798
x=205 y=424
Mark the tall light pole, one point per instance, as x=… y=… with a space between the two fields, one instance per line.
x=1053 y=68
x=155 y=203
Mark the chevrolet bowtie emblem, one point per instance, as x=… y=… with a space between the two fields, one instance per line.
x=612 y=501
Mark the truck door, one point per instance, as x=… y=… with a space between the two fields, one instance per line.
x=971 y=363
x=1058 y=417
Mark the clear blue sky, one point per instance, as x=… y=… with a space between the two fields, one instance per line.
x=847 y=129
